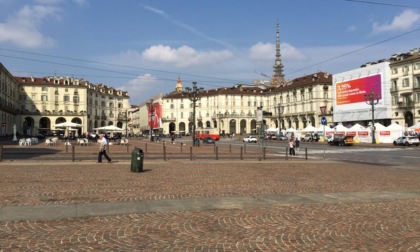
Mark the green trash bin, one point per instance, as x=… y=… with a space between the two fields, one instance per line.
x=137 y=157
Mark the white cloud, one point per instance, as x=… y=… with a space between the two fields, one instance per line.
x=262 y=51
x=140 y=86
x=22 y=28
x=290 y=52
x=185 y=26
x=266 y=51
x=184 y=56
x=405 y=21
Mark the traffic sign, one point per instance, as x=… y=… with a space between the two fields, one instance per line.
x=324 y=120
x=323 y=109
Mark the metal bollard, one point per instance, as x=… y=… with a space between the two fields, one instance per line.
x=127 y=148
x=164 y=152
x=1 y=153
x=191 y=157
x=230 y=148
x=244 y=147
x=73 y=153
x=217 y=152
x=287 y=153
x=181 y=146
x=67 y=148
x=145 y=147
x=241 y=154
x=306 y=153
x=264 y=152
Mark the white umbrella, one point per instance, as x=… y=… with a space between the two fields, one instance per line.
x=68 y=125
x=110 y=128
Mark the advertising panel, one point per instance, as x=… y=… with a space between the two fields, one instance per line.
x=350 y=88
x=353 y=91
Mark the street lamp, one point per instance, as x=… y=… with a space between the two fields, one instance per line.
x=372 y=99
x=280 y=110
x=151 y=111
x=220 y=115
x=126 y=122
x=194 y=95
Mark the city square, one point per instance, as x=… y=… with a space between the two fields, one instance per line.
x=211 y=146
x=208 y=205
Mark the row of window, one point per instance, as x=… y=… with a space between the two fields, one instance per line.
x=406 y=99
x=287 y=110
x=287 y=100
x=406 y=69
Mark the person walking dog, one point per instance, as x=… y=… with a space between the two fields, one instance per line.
x=102 y=149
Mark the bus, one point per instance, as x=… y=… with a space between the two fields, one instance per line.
x=207 y=132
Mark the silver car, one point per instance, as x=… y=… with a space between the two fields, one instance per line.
x=407 y=141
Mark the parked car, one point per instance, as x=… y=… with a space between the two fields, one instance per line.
x=208 y=140
x=282 y=137
x=249 y=139
x=407 y=141
x=340 y=140
x=310 y=137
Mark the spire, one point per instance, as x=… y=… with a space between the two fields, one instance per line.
x=178 y=87
x=278 y=76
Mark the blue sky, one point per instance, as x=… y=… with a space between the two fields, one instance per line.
x=143 y=46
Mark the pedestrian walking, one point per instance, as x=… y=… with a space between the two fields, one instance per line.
x=102 y=149
x=291 y=147
x=297 y=145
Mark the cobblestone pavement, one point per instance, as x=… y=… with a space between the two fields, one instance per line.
x=360 y=216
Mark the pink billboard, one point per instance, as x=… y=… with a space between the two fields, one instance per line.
x=354 y=91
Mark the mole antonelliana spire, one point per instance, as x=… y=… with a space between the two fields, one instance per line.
x=277 y=78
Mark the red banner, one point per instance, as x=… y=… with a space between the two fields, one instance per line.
x=155 y=115
x=385 y=133
x=363 y=133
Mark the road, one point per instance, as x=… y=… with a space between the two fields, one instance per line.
x=385 y=154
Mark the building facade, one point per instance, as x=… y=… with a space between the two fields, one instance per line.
x=405 y=87
x=47 y=101
x=9 y=103
x=234 y=110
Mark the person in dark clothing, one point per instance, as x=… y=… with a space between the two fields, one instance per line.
x=297 y=145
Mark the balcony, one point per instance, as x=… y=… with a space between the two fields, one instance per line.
x=406 y=104
x=171 y=119
x=123 y=118
x=52 y=113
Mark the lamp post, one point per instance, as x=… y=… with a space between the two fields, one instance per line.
x=194 y=95
x=126 y=122
x=151 y=111
x=220 y=115
x=372 y=100
x=280 y=110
